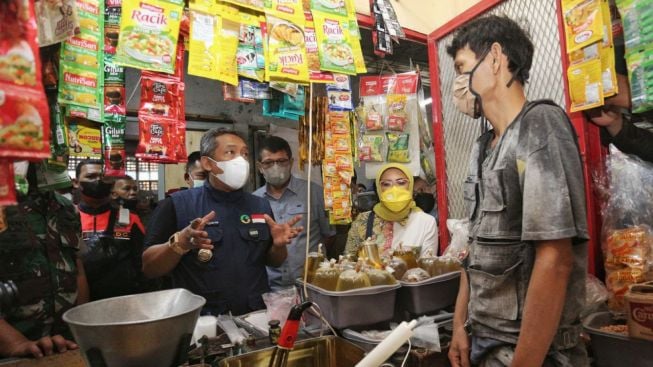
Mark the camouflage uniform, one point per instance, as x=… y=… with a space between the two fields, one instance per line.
x=38 y=251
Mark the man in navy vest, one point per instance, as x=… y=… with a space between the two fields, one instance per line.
x=216 y=240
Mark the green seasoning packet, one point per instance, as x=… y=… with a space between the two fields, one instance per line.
x=334 y=44
x=334 y=7
x=398 y=148
x=81 y=64
x=149 y=30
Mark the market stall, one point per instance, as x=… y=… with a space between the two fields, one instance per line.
x=137 y=83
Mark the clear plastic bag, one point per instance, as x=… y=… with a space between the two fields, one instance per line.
x=279 y=303
x=459 y=246
x=626 y=237
x=596 y=295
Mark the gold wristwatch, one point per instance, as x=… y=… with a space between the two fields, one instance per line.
x=173 y=243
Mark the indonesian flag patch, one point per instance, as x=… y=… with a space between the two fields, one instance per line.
x=258 y=218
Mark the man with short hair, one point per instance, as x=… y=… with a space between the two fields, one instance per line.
x=194 y=174
x=124 y=192
x=288 y=197
x=524 y=282
x=114 y=238
x=216 y=240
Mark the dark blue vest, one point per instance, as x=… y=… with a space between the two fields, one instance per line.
x=234 y=279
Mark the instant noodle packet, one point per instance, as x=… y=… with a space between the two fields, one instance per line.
x=585 y=87
x=149 y=30
x=583 y=20
x=398 y=148
x=286 y=49
x=56 y=20
x=334 y=44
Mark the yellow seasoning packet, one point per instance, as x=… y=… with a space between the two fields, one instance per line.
x=608 y=72
x=284 y=8
x=583 y=23
x=228 y=28
x=334 y=44
x=585 y=85
x=203 y=45
x=149 y=30
x=286 y=49
x=313 y=54
x=258 y=5
x=608 y=38
x=585 y=54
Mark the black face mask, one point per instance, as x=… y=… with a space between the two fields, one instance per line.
x=425 y=201
x=128 y=203
x=95 y=189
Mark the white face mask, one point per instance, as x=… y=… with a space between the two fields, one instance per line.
x=276 y=175
x=234 y=172
x=198 y=183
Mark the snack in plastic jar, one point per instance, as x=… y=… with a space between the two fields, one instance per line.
x=398 y=148
x=24 y=123
x=155 y=141
x=397 y=116
x=370 y=148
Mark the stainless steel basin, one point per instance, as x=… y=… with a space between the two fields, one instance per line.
x=327 y=351
x=135 y=331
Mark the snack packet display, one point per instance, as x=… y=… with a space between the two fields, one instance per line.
x=608 y=72
x=24 y=123
x=258 y=5
x=84 y=138
x=113 y=142
x=160 y=95
x=334 y=44
x=339 y=122
x=56 y=21
x=228 y=32
x=371 y=148
x=149 y=31
x=397 y=116
x=340 y=100
x=585 y=85
x=398 y=148
x=583 y=20
x=286 y=50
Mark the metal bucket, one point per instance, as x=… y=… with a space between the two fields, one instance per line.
x=139 y=330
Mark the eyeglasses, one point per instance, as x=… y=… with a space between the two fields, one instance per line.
x=283 y=162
